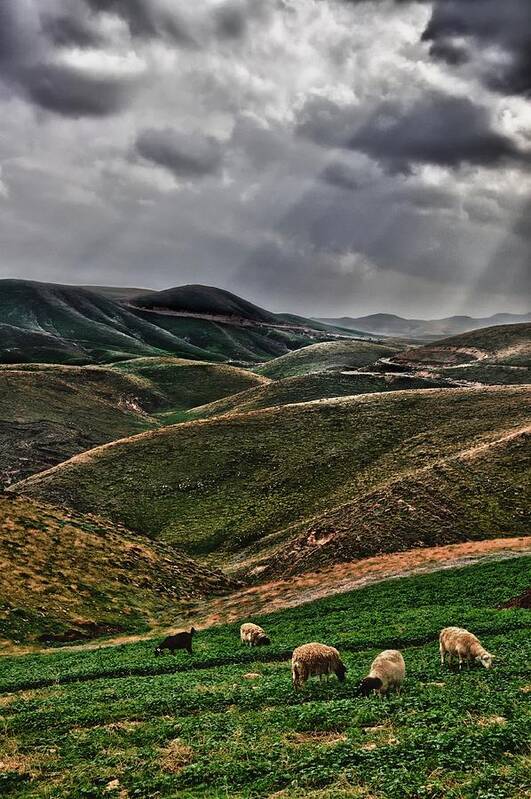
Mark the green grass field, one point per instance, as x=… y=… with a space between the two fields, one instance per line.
x=118 y=722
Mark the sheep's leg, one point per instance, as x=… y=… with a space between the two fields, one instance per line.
x=442 y=653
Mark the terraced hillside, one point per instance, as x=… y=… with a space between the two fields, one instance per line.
x=221 y=485
x=327 y=356
x=68 y=576
x=314 y=386
x=43 y=322
x=50 y=412
x=119 y=722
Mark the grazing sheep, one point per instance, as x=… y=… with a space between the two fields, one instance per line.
x=178 y=641
x=316 y=660
x=388 y=671
x=458 y=642
x=253 y=635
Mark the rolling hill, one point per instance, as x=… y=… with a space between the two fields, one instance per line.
x=506 y=344
x=43 y=322
x=382 y=324
x=478 y=493
x=50 y=412
x=223 y=485
x=203 y=301
x=329 y=356
x=310 y=387
x=69 y=576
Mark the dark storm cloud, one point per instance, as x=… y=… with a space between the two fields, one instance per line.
x=30 y=65
x=342 y=175
x=69 y=92
x=216 y=175
x=437 y=129
x=155 y=19
x=231 y=20
x=148 y=19
x=185 y=155
x=71 y=29
x=462 y=31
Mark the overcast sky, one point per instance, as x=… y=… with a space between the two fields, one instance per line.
x=318 y=156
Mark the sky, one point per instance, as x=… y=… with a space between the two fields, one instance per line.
x=324 y=157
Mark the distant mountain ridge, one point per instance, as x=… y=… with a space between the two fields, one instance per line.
x=50 y=323
x=392 y=325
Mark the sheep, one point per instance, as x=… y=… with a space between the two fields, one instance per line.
x=316 y=660
x=458 y=642
x=253 y=635
x=182 y=640
x=388 y=671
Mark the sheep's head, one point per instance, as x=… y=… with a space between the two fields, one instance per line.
x=485 y=659
x=263 y=640
x=368 y=685
x=341 y=672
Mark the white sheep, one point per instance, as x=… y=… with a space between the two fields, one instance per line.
x=388 y=671
x=316 y=660
x=253 y=635
x=458 y=642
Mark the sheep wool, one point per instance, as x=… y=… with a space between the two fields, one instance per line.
x=388 y=671
x=253 y=635
x=456 y=642
x=316 y=660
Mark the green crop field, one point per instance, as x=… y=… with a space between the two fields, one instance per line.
x=119 y=722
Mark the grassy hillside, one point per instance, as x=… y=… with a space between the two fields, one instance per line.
x=208 y=300
x=334 y=356
x=185 y=384
x=69 y=576
x=119 y=722
x=315 y=386
x=221 y=484
x=477 y=494
x=49 y=412
x=74 y=325
x=505 y=345
x=43 y=322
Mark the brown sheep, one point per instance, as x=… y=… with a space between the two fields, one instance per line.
x=316 y=660
x=253 y=635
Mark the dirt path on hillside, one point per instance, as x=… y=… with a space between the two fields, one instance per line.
x=344 y=577
x=300 y=589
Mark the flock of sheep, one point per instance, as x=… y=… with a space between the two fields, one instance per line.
x=388 y=669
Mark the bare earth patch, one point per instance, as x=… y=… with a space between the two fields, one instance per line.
x=325 y=738
x=175 y=756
